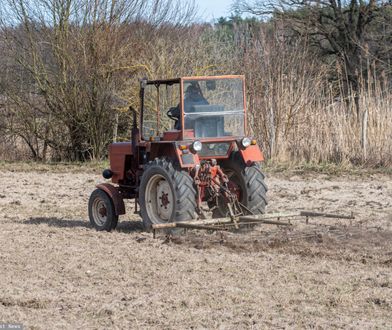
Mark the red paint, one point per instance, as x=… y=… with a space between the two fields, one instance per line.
x=252 y=154
x=117 y=153
x=114 y=194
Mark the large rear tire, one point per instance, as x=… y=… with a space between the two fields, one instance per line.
x=250 y=182
x=166 y=194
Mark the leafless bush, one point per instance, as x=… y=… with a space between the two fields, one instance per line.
x=71 y=68
x=298 y=114
x=70 y=59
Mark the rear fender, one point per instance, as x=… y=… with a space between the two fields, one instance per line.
x=251 y=154
x=114 y=194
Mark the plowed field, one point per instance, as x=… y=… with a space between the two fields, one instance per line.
x=56 y=272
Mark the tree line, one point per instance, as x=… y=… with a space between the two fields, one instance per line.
x=318 y=73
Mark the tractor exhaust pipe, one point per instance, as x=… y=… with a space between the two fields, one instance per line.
x=135 y=134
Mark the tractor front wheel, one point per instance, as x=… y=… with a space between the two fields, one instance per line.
x=166 y=194
x=101 y=211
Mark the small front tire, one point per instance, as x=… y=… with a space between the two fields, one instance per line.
x=101 y=211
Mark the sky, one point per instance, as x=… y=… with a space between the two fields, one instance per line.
x=213 y=9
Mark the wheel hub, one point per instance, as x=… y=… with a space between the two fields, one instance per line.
x=99 y=211
x=159 y=199
x=102 y=211
x=164 y=200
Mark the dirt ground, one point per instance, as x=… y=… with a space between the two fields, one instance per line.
x=56 y=272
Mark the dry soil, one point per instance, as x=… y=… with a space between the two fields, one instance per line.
x=56 y=272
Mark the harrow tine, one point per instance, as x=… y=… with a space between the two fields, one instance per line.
x=326 y=215
x=268 y=222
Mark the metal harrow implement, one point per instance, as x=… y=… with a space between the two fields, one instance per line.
x=235 y=222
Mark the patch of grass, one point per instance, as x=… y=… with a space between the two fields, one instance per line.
x=286 y=168
x=273 y=167
x=54 y=167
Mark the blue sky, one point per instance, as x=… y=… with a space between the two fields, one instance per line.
x=213 y=9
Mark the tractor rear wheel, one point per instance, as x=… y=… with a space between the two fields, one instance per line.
x=166 y=194
x=101 y=211
x=247 y=182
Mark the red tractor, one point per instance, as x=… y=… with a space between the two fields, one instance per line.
x=190 y=156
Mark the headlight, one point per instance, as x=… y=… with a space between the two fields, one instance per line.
x=245 y=142
x=196 y=146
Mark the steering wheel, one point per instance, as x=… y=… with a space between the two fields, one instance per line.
x=172 y=115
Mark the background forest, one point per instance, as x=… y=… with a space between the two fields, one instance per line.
x=319 y=73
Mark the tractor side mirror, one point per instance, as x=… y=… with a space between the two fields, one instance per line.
x=211 y=85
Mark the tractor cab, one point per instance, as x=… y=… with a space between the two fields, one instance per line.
x=199 y=107
x=208 y=109
x=214 y=108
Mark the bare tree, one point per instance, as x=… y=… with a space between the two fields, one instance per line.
x=77 y=54
x=337 y=28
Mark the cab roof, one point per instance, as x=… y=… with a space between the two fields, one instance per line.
x=178 y=80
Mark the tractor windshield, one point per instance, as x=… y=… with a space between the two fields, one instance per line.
x=214 y=107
